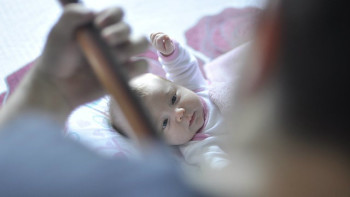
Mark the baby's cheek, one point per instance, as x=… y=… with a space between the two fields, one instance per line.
x=177 y=137
x=171 y=138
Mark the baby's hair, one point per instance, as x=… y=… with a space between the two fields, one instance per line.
x=140 y=89
x=140 y=85
x=114 y=114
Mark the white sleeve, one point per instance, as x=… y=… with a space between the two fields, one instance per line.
x=182 y=68
x=205 y=153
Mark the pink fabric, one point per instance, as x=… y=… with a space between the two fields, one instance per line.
x=223 y=73
x=200 y=136
x=224 y=37
x=13 y=80
x=218 y=34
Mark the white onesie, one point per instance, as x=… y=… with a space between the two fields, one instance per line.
x=204 y=149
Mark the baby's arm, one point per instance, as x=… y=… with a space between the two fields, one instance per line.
x=181 y=67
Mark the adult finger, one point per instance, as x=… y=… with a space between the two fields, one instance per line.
x=117 y=33
x=136 y=67
x=108 y=17
x=153 y=35
x=133 y=47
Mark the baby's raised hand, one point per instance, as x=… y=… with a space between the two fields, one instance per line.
x=162 y=43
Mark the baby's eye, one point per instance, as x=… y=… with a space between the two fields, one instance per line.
x=173 y=99
x=165 y=123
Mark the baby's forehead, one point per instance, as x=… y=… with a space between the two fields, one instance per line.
x=158 y=88
x=153 y=84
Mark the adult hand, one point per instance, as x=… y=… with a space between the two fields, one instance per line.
x=62 y=79
x=62 y=63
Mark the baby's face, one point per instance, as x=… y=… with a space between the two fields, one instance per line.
x=177 y=111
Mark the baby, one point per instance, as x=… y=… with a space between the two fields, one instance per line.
x=180 y=106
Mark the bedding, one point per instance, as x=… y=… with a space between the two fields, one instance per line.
x=219 y=43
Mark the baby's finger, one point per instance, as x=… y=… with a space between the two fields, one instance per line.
x=108 y=17
x=169 y=45
x=154 y=41
x=160 y=42
x=117 y=33
x=153 y=35
x=133 y=47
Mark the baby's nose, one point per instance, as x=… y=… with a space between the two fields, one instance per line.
x=179 y=114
